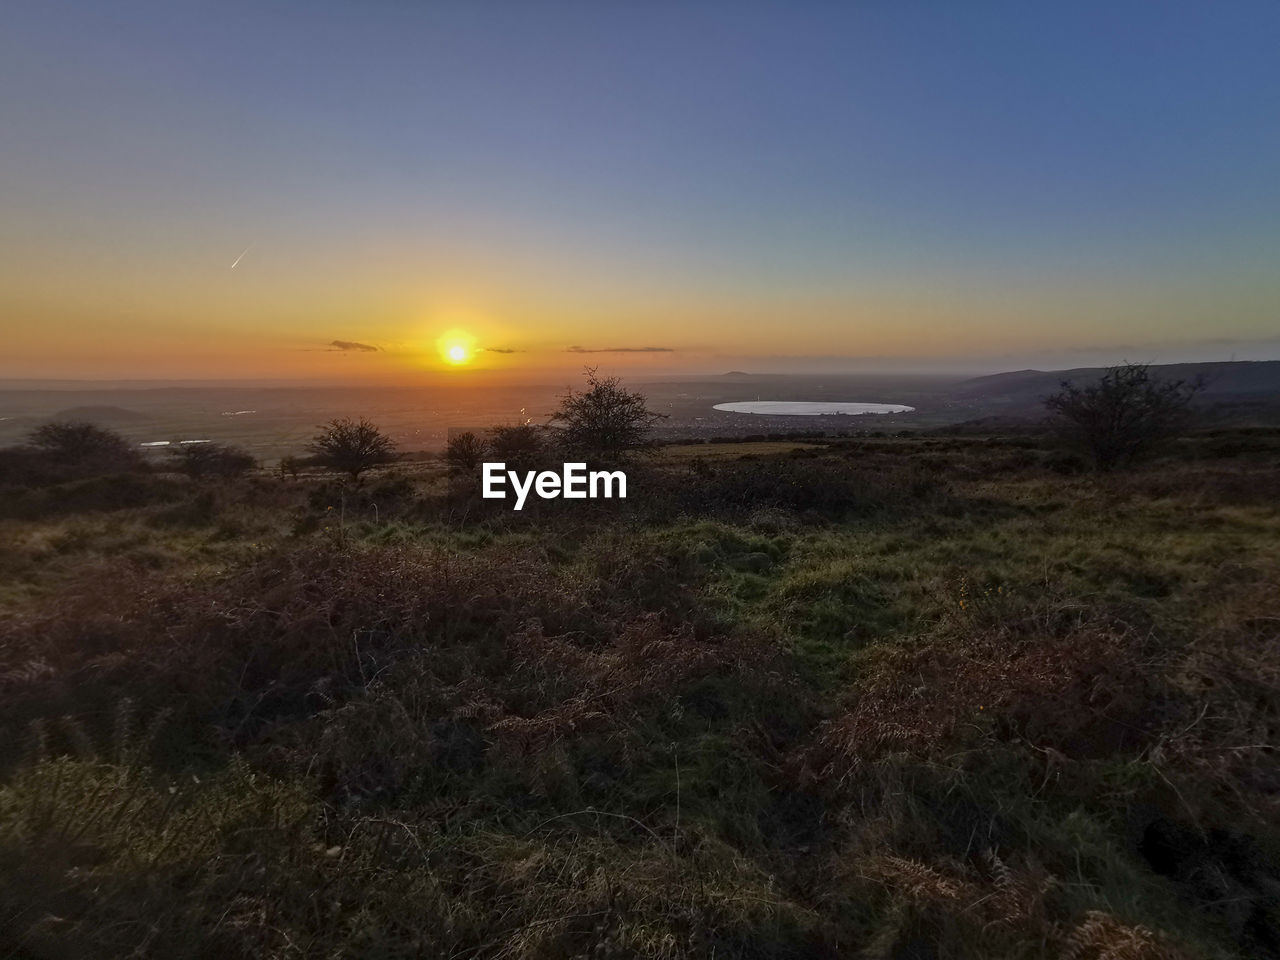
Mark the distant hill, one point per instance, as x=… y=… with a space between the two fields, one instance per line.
x=102 y=414
x=1239 y=378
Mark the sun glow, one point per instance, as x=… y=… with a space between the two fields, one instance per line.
x=457 y=347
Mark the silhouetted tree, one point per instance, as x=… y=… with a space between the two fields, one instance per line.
x=84 y=447
x=466 y=451
x=203 y=460
x=520 y=446
x=1123 y=416
x=605 y=420
x=289 y=467
x=352 y=446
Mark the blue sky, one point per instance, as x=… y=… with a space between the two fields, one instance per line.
x=729 y=180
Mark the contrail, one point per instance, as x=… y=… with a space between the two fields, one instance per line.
x=241 y=257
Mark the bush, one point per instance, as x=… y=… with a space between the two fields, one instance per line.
x=29 y=467
x=204 y=460
x=1065 y=463
x=520 y=447
x=121 y=491
x=604 y=421
x=827 y=487
x=1123 y=416
x=352 y=446
x=465 y=451
x=290 y=467
x=84 y=443
x=61 y=451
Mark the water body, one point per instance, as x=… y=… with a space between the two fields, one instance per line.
x=805 y=408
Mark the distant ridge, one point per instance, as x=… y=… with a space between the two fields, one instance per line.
x=1225 y=378
x=101 y=414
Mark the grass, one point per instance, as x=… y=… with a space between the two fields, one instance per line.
x=910 y=697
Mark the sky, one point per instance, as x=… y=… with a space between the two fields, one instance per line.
x=353 y=190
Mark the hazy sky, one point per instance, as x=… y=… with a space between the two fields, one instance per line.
x=761 y=186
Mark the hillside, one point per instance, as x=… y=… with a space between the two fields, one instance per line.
x=1233 y=379
x=100 y=414
x=916 y=697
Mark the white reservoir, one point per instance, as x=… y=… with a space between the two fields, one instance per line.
x=805 y=408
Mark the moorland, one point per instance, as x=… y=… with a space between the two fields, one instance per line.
x=918 y=696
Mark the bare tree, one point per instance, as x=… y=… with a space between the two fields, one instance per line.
x=466 y=451
x=352 y=446
x=1123 y=416
x=605 y=420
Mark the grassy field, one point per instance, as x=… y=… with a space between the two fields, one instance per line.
x=916 y=698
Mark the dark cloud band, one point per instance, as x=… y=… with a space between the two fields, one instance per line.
x=577 y=349
x=352 y=345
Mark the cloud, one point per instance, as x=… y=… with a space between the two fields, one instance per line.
x=349 y=345
x=577 y=349
x=502 y=350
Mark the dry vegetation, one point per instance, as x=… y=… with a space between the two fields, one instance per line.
x=909 y=698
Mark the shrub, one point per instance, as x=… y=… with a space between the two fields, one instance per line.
x=465 y=451
x=27 y=466
x=520 y=447
x=65 y=450
x=1065 y=463
x=1086 y=694
x=352 y=446
x=78 y=442
x=604 y=421
x=827 y=487
x=122 y=491
x=1123 y=416
x=203 y=460
x=289 y=467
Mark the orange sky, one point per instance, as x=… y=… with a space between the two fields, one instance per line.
x=155 y=319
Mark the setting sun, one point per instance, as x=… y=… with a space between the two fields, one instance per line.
x=457 y=347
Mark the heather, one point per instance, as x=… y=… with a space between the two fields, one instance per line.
x=927 y=696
